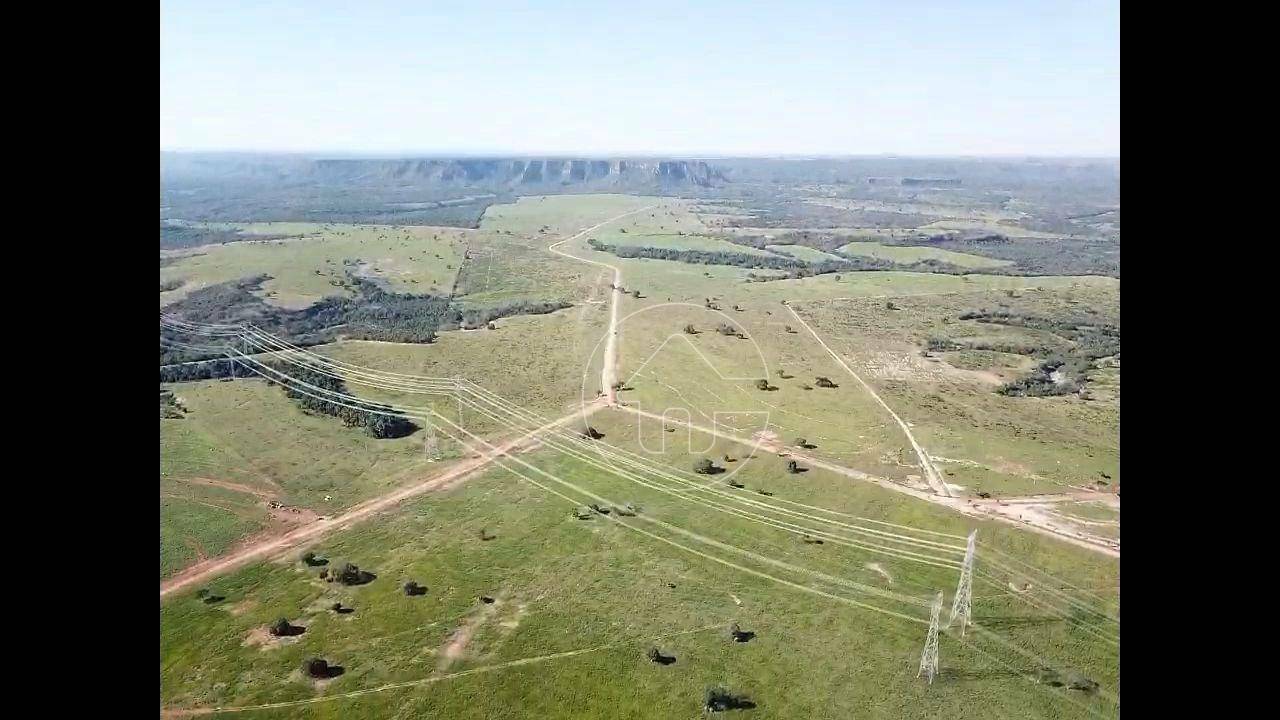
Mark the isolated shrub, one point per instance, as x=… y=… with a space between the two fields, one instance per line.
x=718 y=699
x=1076 y=681
x=485 y=534
x=802 y=442
x=788 y=328
x=762 y=384
x=282 y=628
x=792 y=467
x=315 y=667
x=689 y=330
x=703 y=466
x=350 y=574
x=726 y=329
x=308 y=557
x=592 y=433
x=824 y=382
x=890 y=306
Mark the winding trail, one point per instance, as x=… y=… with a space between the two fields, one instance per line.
x=931 y=473
x=608 y=375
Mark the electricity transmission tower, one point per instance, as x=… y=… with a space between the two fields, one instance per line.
x=432 y=445
x=929 y=658
x=960 y=607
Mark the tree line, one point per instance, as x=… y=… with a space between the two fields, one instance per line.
x=370 y=313
x=376 y=419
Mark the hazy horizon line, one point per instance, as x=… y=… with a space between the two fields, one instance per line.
x=460 y=154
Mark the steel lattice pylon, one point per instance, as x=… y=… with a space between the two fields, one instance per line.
x=961 y=606
x=929 y=658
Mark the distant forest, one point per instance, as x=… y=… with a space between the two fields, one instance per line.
x=371 y=313
x=177 y=235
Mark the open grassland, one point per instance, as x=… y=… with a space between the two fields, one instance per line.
x=248 y=432
x=307 y=268
x=801 y=252
x=671 y=224
x=710 y=379
x=985 y=441
x=904 y=254
x=1007 y=227
x=202 y=521
x=536 y=361
x=949 y=211
x=554 y=215
x=510 y=259
x=578 y=602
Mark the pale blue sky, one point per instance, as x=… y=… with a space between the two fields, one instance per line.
x=911 y=77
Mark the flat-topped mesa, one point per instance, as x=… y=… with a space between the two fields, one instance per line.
x=493 y=173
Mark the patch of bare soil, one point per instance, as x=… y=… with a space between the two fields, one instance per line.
x=917 y=482
x=767 y=438
x=877 y=568
x=261 y=638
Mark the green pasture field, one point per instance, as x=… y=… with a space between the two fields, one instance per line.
x=206 y=521
x=990 y=442
x=802 y=252
x=909 y=254
x=578 y=602
x=248 y=432
x=304 y=269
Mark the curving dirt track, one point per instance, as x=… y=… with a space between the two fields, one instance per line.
x=610 y=372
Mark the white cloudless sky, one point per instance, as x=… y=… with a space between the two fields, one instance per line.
x=911 y=77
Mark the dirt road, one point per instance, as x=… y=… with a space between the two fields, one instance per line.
x=203 y=571
x=609 y=375
x=931 y=473
x=988 y=510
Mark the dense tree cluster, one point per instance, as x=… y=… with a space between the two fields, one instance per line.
x=371 y=313
x=792 y=268
x=199 y=370
x=377 y=420
x=178 y=235
x=475 y=317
